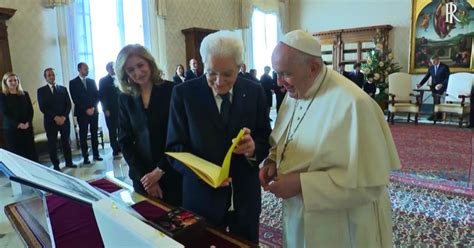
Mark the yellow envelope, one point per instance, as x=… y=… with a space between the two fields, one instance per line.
x=212 y=174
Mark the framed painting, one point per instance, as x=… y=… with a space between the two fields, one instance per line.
x=444 y=28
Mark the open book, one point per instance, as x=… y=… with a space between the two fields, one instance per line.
x=212 y=174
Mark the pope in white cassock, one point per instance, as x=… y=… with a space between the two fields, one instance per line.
x=331 y=154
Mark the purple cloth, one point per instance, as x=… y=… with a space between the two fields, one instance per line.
x=74 y=224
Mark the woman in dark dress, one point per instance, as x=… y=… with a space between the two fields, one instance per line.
x=143 y=122
x=179 y=74
x=17 y=110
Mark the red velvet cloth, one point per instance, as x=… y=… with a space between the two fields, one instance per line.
x=74 y=224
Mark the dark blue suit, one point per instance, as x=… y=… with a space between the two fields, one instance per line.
x=189 y=75
x=440 y=77
x=51 y=105
x=84 y=99
x=195 y=126
x=357 y=78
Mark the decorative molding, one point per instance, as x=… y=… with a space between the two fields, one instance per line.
x=56 y=3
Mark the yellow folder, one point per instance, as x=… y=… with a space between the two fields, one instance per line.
x=212 y=174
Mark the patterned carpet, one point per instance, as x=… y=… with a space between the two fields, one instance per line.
x=434 y=152
x=432 y=195
x=422 y=217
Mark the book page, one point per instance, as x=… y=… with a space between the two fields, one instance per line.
x=211 y=173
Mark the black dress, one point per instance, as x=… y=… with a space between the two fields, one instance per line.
x=18 y=109
x=142 y=138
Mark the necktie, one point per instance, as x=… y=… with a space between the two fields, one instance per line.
x=225 y=108
x=436 y=69
x=84 y=83
x=54 y=89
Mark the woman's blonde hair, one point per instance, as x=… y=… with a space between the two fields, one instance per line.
x=19 y=89
x=127 y=85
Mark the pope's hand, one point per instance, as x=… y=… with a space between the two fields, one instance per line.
x=438 y=86
x=286 y=186
x=246 y=144
x=266 y=174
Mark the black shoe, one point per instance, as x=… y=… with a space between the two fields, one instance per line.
x=87 y=161
x=98 y=158
x=56 y=168
x=71 y=166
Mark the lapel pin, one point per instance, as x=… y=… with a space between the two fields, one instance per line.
x=244 y=95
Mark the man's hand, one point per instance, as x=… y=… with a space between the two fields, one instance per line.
x=21 y=126
x=90 y=111
x=418 y=86
x=155 y=191
x=226 y=182
x=438 y=86
x=266 y=174
x=107 y=113
x=152 y=178
x=286 y=186
x=246 y=144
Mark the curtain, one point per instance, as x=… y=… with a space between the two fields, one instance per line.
x=279 y=7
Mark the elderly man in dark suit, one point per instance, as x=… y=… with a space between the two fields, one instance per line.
x=205 y=115
x=109 y=94
x=439 y=74
x=193 y=71
x=55 y=104
x=85 y=96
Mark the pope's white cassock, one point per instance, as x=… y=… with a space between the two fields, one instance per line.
x=339 y=141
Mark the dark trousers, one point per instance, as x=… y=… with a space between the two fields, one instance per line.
x=242 y=226
x=52 y=133
x=112 y=125
x=87 y=122
x=471 y=114
x=21 y=142
x=279 y=99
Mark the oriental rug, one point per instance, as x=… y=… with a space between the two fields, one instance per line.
x=422 y=217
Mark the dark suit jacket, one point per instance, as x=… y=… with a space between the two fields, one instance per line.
x=16 y=109
x=195 y=126
x=357 y=78
x=82 y=98
x=441 y=77
x=108 y=95
x=267 y=84
x=142 y=136
x=190 y=75
x=51 y=105
x=177 y=79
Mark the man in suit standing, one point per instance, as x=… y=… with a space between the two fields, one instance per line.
x=205 y=115
x=85 y=96
x=439 y=74
x=341 y=69
x=55 y=104
x=356 y=76
x=267 y=84
x=109 y=94
x=193 y=70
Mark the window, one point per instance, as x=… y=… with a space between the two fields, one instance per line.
x=98 y=30
x=115 y=23
x=264 y=39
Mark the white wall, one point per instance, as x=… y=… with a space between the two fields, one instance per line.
x=210 y=14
